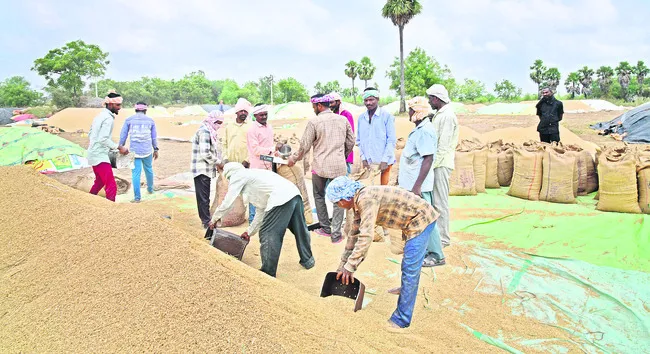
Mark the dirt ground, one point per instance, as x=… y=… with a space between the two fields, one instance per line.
x=381 y=270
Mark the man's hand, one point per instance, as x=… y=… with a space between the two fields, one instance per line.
x=383 y=166
x=278 y=146
x=245 y=236
x=366 y=164
x=212 y=225
x=345 y=277
x=291 y=161
x=155 y=155
x=123 y=150
x=417 y=190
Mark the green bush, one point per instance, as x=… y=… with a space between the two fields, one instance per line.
x=40 y=111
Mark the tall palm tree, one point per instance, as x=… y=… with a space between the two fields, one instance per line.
x=605 y=74
x=623 y=71
x=552 y=78
x=366 y=70
x=400 y=12
x=537 y=75
x=351 y=71
x=641 y=71
x=572 y=84
x=586 y=78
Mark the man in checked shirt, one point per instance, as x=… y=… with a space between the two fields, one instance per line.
x=392 y=208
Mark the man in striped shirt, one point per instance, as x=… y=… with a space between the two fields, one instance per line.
x=392 y=208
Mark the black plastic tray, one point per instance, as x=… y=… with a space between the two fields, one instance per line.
x=227 y=242
x=354 y=290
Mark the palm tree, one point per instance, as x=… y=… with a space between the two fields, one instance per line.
x=605 y=74
x=552 y=78
x=366 y=70
x=351 y=71
x=400 y=12
x=586 y=78
x=537 y=75
x=641 y=71
x=623 y=71
x=572 y=84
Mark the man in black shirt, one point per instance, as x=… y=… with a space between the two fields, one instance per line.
x=550 y=112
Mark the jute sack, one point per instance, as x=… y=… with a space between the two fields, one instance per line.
x=527 y=175
x=617 y=179
x=237 y=215
x=480 y=169
x=586 y=168
x=506 y=165
x=561 y=149
x=558 y=178
x=643 y=178
x=461 y=180
x=294 y=174
x=492 y=165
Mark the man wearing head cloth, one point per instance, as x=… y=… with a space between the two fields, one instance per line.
x=144 y=143
x=391 y=207
x=206 y=155
x=235 y=134
x=279 y=207
x=100 y=145
x=445 y=124
x=376 y=135
x=335 y=106
x=259 y=142
x=416 y=167
x=331 y=137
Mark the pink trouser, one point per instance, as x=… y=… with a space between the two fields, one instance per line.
x=104 y=179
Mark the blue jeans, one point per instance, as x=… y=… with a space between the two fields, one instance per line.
x=145 y=162
x=414 y=252
x=251 y=213
x=434 y=247
x=349 y=167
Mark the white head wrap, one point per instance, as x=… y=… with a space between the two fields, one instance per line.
x=335 y=96
x=243 y=105
x=260 y=109
x=440 y=92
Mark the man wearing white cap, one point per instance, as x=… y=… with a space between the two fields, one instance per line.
x=235 y=134
x=335 y=106
x=259 y=142
x=446 y=125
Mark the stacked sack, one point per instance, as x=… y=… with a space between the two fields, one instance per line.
x=617 y=179
x=586 y=167
x=527 y=173
x=643 y=177
x=559 y=175
x=462 y=181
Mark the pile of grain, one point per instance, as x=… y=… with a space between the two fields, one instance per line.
x=95 y=276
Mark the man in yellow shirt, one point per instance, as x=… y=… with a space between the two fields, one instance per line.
x=234 y=142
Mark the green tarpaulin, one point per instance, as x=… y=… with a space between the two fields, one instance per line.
x=22 y=144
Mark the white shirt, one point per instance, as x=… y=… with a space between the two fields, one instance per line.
x=445 y=124
x=264 y=189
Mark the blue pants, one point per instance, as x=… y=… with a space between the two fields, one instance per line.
x=434 y=247
x=251 y=213
x=414 y=252
x=349 y=168
x=145 y=162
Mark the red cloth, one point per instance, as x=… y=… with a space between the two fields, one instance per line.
x=104 y=179
x=348 y=115
x=23 y=117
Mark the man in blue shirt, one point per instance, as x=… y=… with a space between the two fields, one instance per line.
x=416 y=168
x=376 y=135
x=144 y=143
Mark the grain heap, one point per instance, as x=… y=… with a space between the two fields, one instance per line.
x=95 y=276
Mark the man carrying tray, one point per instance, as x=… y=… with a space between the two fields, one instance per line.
x=278 y=207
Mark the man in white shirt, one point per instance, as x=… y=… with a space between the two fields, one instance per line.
x=445 y=124
x=278 y=206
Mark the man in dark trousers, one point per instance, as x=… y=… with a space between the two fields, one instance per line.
x=550 y=111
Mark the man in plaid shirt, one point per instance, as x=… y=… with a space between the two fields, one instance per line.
x=391 y=208
x=206 y=154
x=332 y=138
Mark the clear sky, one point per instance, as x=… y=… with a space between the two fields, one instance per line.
x=311 y=40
